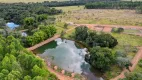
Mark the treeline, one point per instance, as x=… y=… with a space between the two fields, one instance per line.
x=71 y=2
x=16 y=63
x=113 y=5
x=42 y=34
x=63 y=3
x=17 y=12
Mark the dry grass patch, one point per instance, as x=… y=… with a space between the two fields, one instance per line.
x=99 y=16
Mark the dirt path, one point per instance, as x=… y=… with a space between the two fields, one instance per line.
x=134 y=62
x=43 y=43
x=47 y=41
x=106 y=28
x=59 y=75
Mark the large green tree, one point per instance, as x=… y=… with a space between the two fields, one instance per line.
x=100 y=58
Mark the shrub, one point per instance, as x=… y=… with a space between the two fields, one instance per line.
x=117 y=30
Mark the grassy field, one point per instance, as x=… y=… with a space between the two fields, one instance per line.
x=125 y=43
x=78 y=14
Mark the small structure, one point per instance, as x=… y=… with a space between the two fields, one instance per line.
x=11 y=25
x=24 y=34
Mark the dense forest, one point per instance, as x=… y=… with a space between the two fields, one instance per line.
x=16 y=63
x=113 y=5
x=17 y=12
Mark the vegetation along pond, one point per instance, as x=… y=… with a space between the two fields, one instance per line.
x=68 y=55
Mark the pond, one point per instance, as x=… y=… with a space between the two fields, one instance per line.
x=67 y=55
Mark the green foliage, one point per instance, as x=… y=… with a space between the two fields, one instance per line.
x=140 y=63
x=19 y=64
x=94 y=39
x=100 y=58
x=117 y=30
x=123 y=62
x=133 y=76
x=37 y=71
x=113 y=5
x=29 y=21
x=44 y=33
x=27 y=78
x=22 y=12
x=81 y=33
x=41 y=17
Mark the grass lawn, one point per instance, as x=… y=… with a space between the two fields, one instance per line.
x=138 y=68
x=125 y=39
x=132 y=31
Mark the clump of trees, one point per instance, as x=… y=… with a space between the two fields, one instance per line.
x=17 y=12
x=100 y=58
x=94 y=39
x=33 y=22
x=16 y=63
x=43 y=33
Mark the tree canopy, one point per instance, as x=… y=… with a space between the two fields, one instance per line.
x=16 y=63
x=100 y=58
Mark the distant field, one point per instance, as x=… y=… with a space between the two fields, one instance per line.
x=26 y=1
x=80 y=15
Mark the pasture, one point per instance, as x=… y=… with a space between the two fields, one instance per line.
x=78 y=14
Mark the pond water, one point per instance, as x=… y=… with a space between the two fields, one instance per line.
x=67 y=55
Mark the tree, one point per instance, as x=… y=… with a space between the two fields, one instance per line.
x=27 y=77
x=37 y=78
x=100 y=39
x=41 y=17
x=14 y=75
x=29 y=21
x=100 y=58
x=65 y=25
x=37 y=71
x=81 y=33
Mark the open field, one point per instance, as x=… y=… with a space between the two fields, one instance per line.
x=26 y=1
x=78 y=14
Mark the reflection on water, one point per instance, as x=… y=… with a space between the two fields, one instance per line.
x=67 y=56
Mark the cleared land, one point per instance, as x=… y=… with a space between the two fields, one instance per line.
x=78 y=14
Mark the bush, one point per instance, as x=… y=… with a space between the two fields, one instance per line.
x=120 y=54
x=117 y=30
x=123 y=62
x=140 y=63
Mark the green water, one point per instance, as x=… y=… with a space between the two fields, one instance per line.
x=50 y=45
